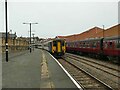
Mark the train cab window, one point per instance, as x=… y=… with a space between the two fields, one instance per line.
x=62 y=43
x=54 y=43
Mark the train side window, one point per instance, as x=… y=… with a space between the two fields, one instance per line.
x=87 y=44
x=74 y=44
x=71 y=44
x=110 y=44
x=67 y=44
x=98 y=44
x=105 y=44
x=84 y=44
x=90 y=44
x=94 y=44
x=118 y=44
x=79 y=44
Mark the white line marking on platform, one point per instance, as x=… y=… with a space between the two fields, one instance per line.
x=78 y=86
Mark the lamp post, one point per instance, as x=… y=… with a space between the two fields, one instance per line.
x=33 y=41
x=30 y=32
x=6 y=39
x=103 y=31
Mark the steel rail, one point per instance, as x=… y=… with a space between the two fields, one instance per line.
x=87 y=73
x=95 y=66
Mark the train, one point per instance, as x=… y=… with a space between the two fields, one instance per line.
x=108 y=47
x=56 y=47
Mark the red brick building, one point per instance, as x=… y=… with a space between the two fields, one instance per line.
x=95 y=32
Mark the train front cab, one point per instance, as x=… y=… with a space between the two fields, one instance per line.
x=58 y=47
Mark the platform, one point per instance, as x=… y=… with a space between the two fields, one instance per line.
x=34 y=70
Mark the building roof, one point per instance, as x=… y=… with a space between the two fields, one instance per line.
x=3 y=35
x=94 y=32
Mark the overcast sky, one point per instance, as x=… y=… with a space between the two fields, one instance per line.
x=59 y=18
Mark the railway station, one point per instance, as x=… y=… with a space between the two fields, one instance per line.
x=48 y=50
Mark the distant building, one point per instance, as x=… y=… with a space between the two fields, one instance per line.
x=14 y=43
x=3 y=35
x=84 y=35
x=11 y=38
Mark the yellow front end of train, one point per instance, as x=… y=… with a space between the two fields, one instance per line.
x=58 y=47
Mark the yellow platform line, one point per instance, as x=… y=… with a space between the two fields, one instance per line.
x=45 y=79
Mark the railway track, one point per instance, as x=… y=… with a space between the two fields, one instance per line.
x=106 y=73
x=85 y=79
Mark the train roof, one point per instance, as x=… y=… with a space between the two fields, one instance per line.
x=47 y=41
x=112 y=38
x=58 y=39
x=95 y=39
x=92 y=39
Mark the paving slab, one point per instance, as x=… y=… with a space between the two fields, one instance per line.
x=22 y=71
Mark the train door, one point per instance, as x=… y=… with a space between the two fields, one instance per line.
x=101 y=44
x=63 y=48
x=58 y=46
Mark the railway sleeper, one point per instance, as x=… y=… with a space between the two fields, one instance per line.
x=83 y=79
x=92 y=86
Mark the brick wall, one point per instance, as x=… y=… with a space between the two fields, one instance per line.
x=95 y=33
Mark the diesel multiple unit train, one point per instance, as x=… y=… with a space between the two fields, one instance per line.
x=103 y=47
x=56 y=47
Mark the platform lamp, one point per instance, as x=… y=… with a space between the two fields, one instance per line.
x=30 y=33
x=6 y=39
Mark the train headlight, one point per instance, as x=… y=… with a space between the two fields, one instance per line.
x=63 y=48
x=54 y=48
